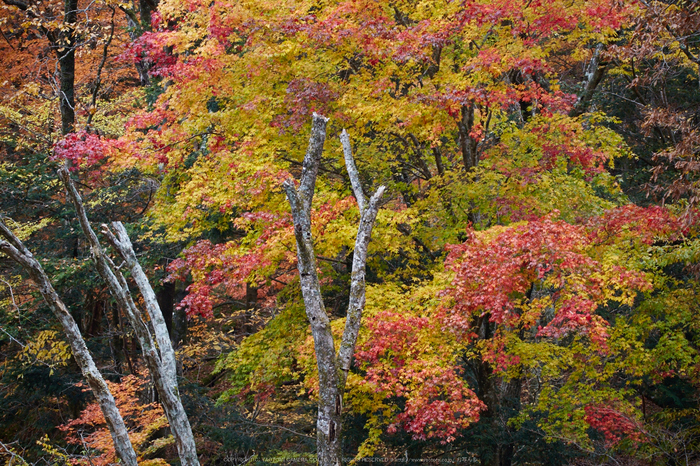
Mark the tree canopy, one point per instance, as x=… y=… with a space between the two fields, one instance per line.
x=521 y=289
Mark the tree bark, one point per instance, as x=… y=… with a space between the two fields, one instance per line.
x=467 y=144
x=122 y=244
x=368 y=215
x=594 y=75
x=62 y=42
x=94 y=326
x=166 y=298
x=115 y=341
x=332 y=369
x=65 y=50
x=14 y=248
x=159 y=359
x=179 y=326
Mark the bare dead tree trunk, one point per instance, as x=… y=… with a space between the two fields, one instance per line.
x=16 y=250
x=332 y=369
x=122 y=244
x=368 y=215
x=160 y=359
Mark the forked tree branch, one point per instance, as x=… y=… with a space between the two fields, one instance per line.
x=332 y=368
x=161 y=371
x=357 y=286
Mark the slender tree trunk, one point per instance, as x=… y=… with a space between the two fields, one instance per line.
x=356 y=304
x=467 y=144
x=251 y=296
x=594 y=75
x=328 y=424
x=94 y=327
x=62 y=42
x=179 y=327
x=502 y=398
x=160 y=359
x=166 y=299
x=512 y=393
x=332 y=369
x=115 y=341
x=146 y=9
x=438 y=161
x=14 y=248
x=121 y=242
x=65 y=50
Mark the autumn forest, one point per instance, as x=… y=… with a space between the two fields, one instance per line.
x=346 y=231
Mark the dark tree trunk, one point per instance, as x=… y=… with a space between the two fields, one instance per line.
x=510 y=407
x=179 y=327
x=65 y=51
x=146 y=9
x=251 y=296
x=502 y=400
x=467 y=144
x=438 y=161
x=115 y=342
x=166 y=301
x=63 y=43
x=94 y=327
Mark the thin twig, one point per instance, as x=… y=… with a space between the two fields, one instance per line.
x=12 y=297
x=98 y=78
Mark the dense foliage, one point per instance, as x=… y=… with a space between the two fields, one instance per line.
x=532 y=278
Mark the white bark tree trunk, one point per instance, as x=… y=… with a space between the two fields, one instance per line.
x=16 y=251
x=332 y=369
x=160 y=359
x=368 y=214
x=594 y=75
x=122 y=244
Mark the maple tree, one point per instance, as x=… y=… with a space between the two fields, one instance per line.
x=526 y=301
x=461 y=102
x=146 y=419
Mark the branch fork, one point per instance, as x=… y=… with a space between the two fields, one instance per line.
x=332 y=368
